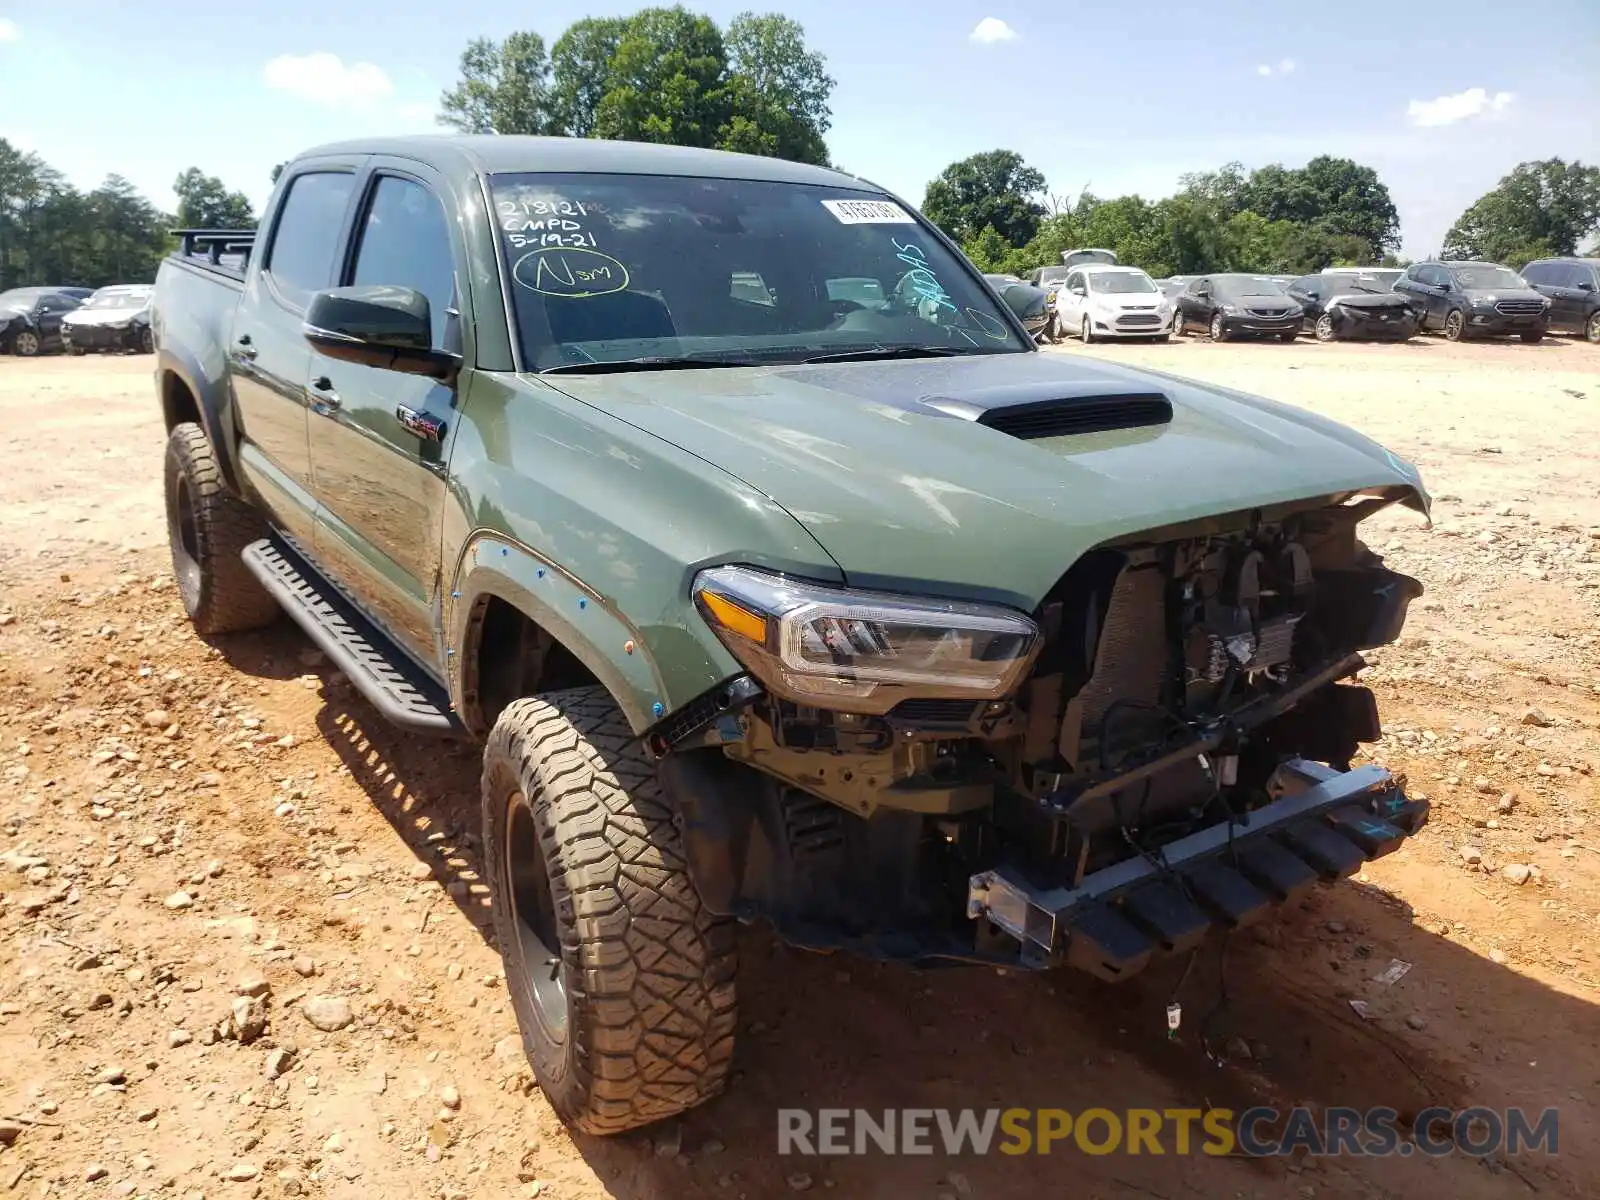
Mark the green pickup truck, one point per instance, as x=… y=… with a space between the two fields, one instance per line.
x=781 y=576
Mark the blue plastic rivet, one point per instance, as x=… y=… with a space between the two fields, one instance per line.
x=658 y=708
x=505 y=550
x=455 y=595
x=582 y=603
x=448 y=653
x=541 y=572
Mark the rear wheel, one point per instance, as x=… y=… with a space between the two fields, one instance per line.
x=26 y=344
x=208 y=528
x=1324 y=328
x=1455 y=325
x=623 y=983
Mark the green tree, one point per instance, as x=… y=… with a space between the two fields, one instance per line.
x=1540 y=209
x=580 y=64
x=661 y=75
x=995 y=189
x=204 y=202
x=777 y=91
x=126 y=235
x=668 y=79
x=504 y=88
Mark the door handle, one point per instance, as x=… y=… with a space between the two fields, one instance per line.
x=428 y=428
x=246 y=349
x=326 y=400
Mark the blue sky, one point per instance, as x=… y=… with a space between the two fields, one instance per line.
x=1442 y=100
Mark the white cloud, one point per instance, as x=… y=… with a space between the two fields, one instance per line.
x=1447 y=110
x=1264 y=70
x=10 y=31
x=992 y=29
x=325 y=79
x=1285 y=67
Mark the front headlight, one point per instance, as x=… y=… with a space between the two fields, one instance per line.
x=863 y=651
x=1228 y=309
x=1483 y=301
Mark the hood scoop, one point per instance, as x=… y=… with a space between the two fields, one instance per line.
x=1057 y=409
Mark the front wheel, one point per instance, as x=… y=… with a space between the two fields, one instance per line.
x=147 y=340
x=208 y=528
x=26 y=344
x=1592 y=329
x=1086 y=332
x=622 y=982
x=1324 y=328
x=1177 y=323
x=1219 y=332
x=1455 y=325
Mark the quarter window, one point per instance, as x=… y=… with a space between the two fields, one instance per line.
x=405 y=242
x=301 y=259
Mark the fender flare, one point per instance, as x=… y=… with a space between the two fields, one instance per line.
x=572 y=613
x=176 y=363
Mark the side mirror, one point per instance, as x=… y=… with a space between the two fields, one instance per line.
x=1585 y=286
x=378 y=325
x=1026 y=301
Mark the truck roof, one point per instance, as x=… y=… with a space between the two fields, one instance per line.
x=501 y=154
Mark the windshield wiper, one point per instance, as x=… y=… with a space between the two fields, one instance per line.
x=612 y=366
x=875 y=352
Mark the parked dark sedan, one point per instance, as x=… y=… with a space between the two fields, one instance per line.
x=1572 y=285
x=1469 y=299
x=1027 y=301
x=30 y=318
x=1352 y=304
x=1230 y=306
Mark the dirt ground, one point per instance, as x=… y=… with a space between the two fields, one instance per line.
x=182 y=824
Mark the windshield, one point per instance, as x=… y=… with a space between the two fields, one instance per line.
x=1120 y=281
x=608 y=268
x=18 y=299
x=1245 y=285
x=1376 y=282
x=122 y=298
x=1488 y=277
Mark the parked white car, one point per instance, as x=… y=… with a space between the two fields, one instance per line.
x=1101 y=301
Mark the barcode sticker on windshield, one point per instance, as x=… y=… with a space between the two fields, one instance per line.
x=868 y=212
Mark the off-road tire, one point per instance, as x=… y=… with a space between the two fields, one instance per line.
x=648 y=973
x=208 y=527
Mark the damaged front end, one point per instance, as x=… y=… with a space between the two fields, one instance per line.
x=1161 y=748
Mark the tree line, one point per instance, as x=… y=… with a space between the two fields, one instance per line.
x=50 y=232
x=1273 y=220
x=673 y=76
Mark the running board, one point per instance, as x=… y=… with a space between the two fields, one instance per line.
x=380 y=671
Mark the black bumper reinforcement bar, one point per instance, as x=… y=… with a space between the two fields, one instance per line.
x=1324 y=824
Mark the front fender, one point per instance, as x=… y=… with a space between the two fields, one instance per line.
x=572 y=613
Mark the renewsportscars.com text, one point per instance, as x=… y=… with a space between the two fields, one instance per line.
x=1256 y=1132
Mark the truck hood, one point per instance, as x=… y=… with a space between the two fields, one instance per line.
x=885 y=465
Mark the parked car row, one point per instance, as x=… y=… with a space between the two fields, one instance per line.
x=38 y=320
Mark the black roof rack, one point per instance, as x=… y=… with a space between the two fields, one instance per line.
x=212 y=244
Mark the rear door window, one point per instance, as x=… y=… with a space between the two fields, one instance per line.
x=300 y=261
